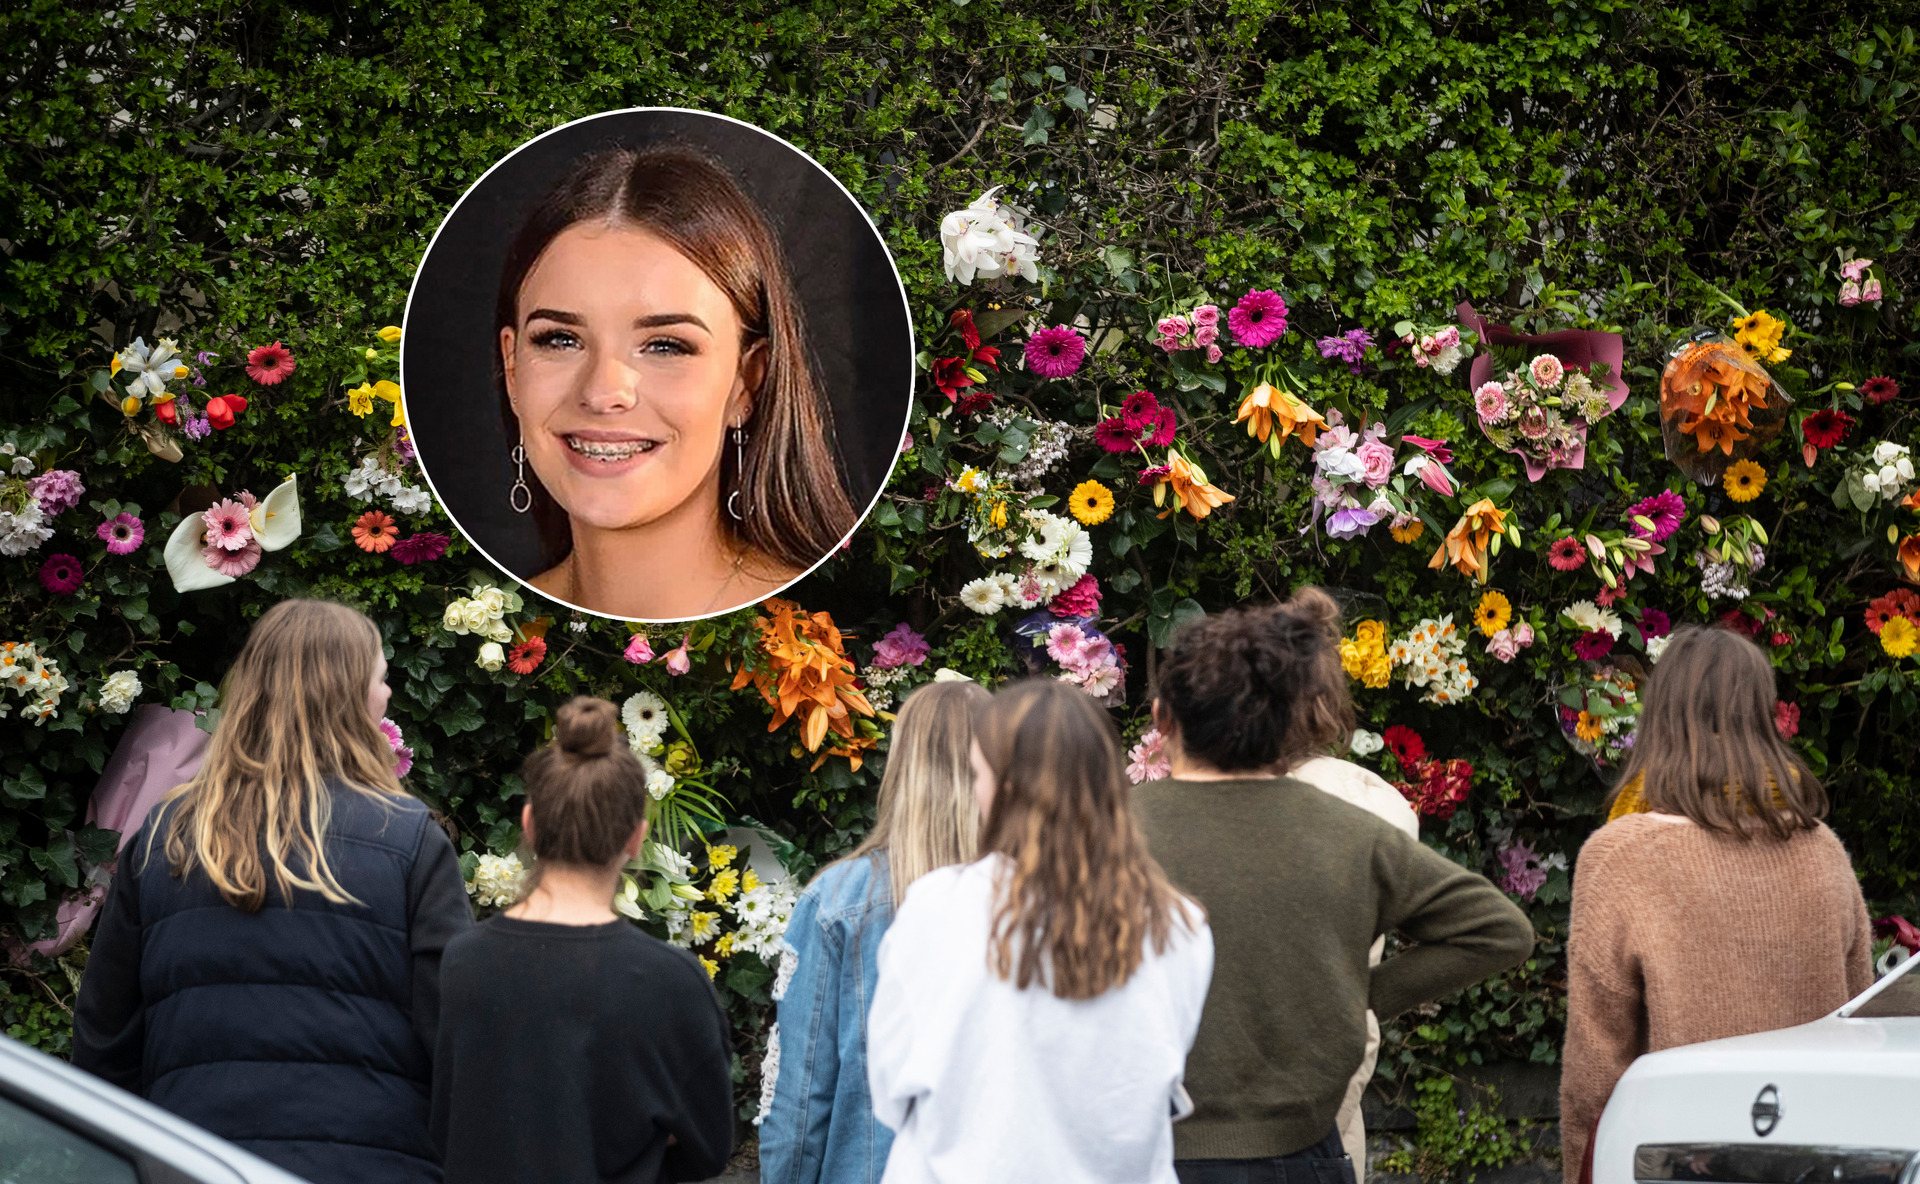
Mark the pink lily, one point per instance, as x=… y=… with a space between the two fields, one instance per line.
x=1432 y=474
x=1639 y=558
x=1437 y=449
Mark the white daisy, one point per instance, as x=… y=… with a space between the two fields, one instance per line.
x=985 y=595
x=645 y=715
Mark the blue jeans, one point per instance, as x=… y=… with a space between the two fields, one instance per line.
x=1326 y=1162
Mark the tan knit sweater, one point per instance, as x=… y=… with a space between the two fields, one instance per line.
x=1681 y=935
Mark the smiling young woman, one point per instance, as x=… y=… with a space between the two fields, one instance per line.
x=654 y=368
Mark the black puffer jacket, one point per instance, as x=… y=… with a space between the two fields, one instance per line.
x=303 y=1034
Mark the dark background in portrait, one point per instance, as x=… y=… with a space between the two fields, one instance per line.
x=856 y=321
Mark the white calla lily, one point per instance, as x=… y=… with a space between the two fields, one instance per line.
x=276 y=518
x=185 y=561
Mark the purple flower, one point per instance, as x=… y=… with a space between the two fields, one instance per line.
x=58 y=490
x=1654 y=623
x=60 y=575
x=122 y=534
x=1055 y=352
x=1351 y=522
x=1350 y=347
x=1259 y=320
x=1667 y=509
x=424 y=547
x=403 y=443
x=206 y=357
x=196 y=427
x=902 y=647
x=1593 y=646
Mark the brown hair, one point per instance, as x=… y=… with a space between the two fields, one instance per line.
x=927 y=816
x=587 y=789
x=1080 y=895
x=1707 y=747
x=1259 y=688
x=293 y=717
x=795 y=504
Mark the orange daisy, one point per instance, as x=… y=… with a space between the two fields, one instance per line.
x=375 y=532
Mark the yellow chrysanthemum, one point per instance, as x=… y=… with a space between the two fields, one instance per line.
x=724 y=947
x=1091 y=503
x=1899 y=636
x=701 y=925
x=749 y=881
x=723 y=885
x=1408 y=533
x=1492 y=613
x=710 y=966
x=1745 y=480
x=360 y=400
x=721 y=857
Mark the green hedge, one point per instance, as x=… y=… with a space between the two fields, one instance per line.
x=229 y=175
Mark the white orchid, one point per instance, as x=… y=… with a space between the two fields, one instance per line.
x=151 y=368
x=986 y=240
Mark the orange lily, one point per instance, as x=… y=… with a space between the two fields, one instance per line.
x=1267 y=405
x=1910 y=556
x=807 y=675
x=1466 y=544
x=1190 y=489
x=1912 y=501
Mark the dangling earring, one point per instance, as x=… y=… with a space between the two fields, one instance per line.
x=520 y=497
x=734 y=506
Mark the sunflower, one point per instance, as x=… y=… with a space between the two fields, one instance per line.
x=1745 y=480
x=1091 y=503
x=1407 y=532
x=1492 y=613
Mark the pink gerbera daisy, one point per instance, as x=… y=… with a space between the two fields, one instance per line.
x=1566 y=554
x=269 y=364
x=1490 y=401
x=1116 y=434
x=1138 y=405
x=1594 y=645
x=60 y=575
x=122 y=534
x=1666 y=509
x=1547 y=371
x=233 y=564
x=1055 y=352
x=1163 y=426
x=1654 y=623
x=228 y=527
x=424 y=547
x=1259 y=320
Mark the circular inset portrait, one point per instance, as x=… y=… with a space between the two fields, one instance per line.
x=657 y=364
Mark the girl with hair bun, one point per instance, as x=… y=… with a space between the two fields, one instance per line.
x=1034 y=1008
x=572 y=1045
x=1299 y=886
x=268 y=960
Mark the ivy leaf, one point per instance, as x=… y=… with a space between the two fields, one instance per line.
x=324 y=539
x=29 y=786
x=58 y=859
x=97 y=845
x=1075 y=98
x=1035 y=131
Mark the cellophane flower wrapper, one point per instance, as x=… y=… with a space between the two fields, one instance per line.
x=1699 y=366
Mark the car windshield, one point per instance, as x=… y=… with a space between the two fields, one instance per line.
x=1898 y=997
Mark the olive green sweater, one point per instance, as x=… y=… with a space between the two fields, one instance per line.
x=1297 y=884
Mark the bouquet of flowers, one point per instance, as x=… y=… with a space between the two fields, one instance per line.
x=1599 y=714
x=1542 y=410
x=1442 y=347
x=1718 y=405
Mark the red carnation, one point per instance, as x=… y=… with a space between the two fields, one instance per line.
x=269 y=364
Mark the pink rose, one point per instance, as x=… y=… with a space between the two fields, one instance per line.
x=1870 y=291
x=1213 y=353
x=1448 y=337
x=677 y=660
x=1376 y=460
x=1174 y=326
x=1849 y=294
x=1853 y=269
x=638 y=651
x=1428 y=345
x=1522 y=633
x=1205 y=335
x=1207 y=316
x=1503 y=646
x=1168 y=344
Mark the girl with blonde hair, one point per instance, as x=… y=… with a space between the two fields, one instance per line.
x=817 y=1124
x=267 y=963
x=1034 y=1007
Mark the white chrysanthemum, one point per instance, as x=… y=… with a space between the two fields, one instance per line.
x=659 y=784
x=645 y=715
x=412 y=500
x=496 y=882
x=985 y=595
x=121 y=689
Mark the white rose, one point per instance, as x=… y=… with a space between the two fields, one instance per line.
x=1871 y=482
x=121 y=689
x=494 y=599
x=1365 y=743
x=1889 y=480
x=497 y=631
x=1886 y=452
x=455 y=620
x=476 y=616
x=492 y=657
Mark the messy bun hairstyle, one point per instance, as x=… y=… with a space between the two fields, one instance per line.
x=587 y=790
x=1259 y=688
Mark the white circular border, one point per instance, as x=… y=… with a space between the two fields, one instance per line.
x=906 y=308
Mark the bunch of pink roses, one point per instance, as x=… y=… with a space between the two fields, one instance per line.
x=1506 y=644
x=1198 y=328
x=1857 y=284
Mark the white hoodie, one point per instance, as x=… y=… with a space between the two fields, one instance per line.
x=986 y=1082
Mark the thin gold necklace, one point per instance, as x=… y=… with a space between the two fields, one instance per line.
x=739 y=561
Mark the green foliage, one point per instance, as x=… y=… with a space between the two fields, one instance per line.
x=233 y=175
x=1452 y=1143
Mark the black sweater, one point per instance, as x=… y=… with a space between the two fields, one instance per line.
x=574 y=1054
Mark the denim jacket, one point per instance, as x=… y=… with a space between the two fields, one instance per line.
x=819 y=1126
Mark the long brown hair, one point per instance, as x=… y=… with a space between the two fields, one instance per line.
x=796 y=504
x=1259 y=688
x=927 y=816
x=293 y=716
x=1080 y=896
x=1707 y=747
x=586 y=788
